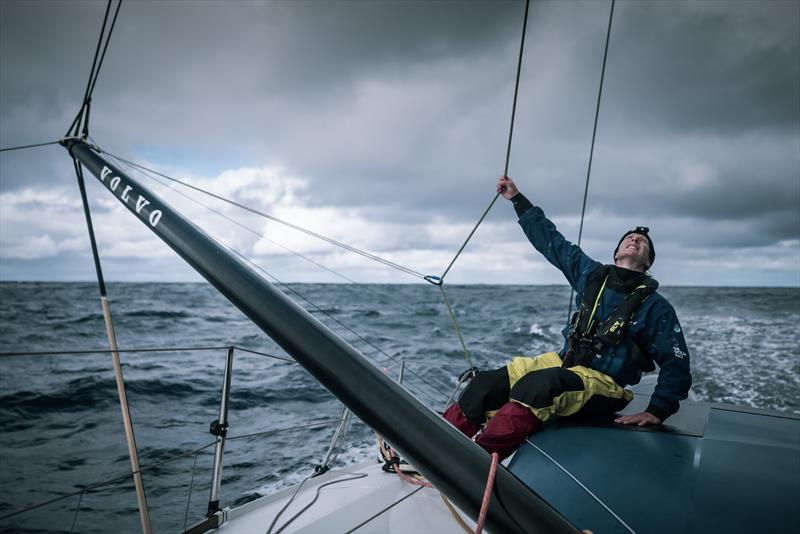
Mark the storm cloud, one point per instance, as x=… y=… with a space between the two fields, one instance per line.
x=384 y=125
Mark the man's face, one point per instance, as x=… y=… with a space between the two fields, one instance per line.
x=635 y=247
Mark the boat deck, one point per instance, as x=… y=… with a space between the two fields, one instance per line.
x=712 y=468
x=378 y=502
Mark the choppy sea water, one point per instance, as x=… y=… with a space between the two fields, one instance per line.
x=62 y=424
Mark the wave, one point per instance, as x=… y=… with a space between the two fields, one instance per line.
x=79 y=394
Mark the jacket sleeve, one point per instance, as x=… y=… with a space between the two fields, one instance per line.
x=543 y=235
x=668 y=349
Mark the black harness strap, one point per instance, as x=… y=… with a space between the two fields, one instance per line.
x=585 y=340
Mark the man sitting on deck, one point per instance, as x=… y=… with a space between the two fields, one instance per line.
x=621 y=328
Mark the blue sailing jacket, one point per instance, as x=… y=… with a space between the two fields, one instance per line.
x=655 y=325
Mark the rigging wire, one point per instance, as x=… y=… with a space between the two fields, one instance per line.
x=508 y=148
x=107 y=482
x=591 y=149
x=339 y=436
x=189 y=499
x=151 y=174
x=94 y=73
x=433 y=280
x=119 y=478
x=103 y=55
x=20 y=147
x=147 y=173
x=579 y=483
x=86 y=95
x=313 y=234
x=77 y=510
x=165 y=349
x=455 y=325
x=385 y=509
x=286 y=286
x=331 y=317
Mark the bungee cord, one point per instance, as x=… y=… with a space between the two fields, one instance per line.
x=591 y=149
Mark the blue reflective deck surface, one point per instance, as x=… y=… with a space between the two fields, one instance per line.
x=713 y=468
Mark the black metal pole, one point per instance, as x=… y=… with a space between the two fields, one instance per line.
x=454 y=464
x=219 y=428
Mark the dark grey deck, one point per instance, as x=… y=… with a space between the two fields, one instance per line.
x=712 y=468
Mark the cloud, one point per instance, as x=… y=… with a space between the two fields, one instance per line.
x=385 y=125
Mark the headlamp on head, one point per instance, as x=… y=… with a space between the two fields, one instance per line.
x=642 y=230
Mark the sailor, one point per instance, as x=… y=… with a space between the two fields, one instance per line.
x=622 y=327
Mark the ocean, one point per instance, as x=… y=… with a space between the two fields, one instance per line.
x=63 y=431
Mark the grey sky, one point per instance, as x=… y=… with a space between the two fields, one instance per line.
x=384 y=125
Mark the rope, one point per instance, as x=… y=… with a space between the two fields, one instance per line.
x=411 y=480
x=315 y=235
x=510 y=137
x=20 y=147
x=314 y=500
x=455 y=514
x=487 y=494
x=285 y=506
x=594 y=135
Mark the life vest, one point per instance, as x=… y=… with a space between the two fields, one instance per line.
x=587 y=338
